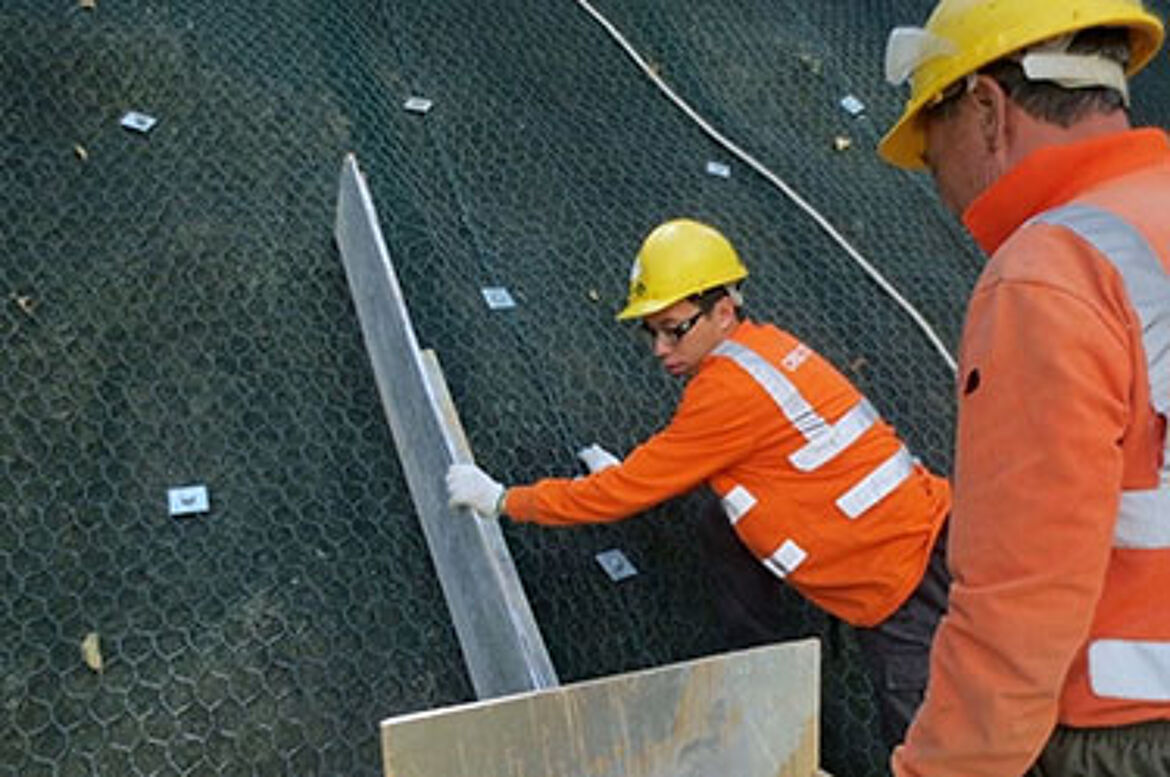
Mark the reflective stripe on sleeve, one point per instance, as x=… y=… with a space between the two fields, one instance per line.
x=786 y=559
x=877 y=485
x=1129 y=669
x=838 y=437
x=737 y=503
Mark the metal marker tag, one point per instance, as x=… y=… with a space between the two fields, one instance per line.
x=616 y=565
x=417 y=104
x=719 y=169
x=852 y=105
x=498 y=298
x=188 y=500
x=139 y=122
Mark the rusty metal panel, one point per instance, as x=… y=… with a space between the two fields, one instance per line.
x=752 y=713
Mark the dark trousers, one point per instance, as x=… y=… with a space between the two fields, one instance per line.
x=896 y=652
x=1140 y=750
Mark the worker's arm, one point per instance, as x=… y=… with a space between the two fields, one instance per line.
x=1042 y=407
x=716 y=424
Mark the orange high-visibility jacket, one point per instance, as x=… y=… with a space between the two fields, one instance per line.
x=1060 y=535
x=817 y=485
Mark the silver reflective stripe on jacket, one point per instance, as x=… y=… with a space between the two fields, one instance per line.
x=877 y=484
x=737 y=503
x=1119 y=668
x=1142 y=521
x=786 y=396
x=1144 y=278
x=786 y=559
x=824 y=441
x=1130 y=669
x=837 y=438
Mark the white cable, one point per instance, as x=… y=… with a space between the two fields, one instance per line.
x=776 y=181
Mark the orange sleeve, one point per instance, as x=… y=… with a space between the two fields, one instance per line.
x=1043 y=405
x=716 y=424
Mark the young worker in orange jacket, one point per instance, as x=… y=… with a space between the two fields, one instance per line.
x=815 y=483
x=1054 y=658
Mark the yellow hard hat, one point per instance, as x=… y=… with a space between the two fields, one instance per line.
x=962 y=36
x=678 y=259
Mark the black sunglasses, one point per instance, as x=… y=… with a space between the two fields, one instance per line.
x=672 y=334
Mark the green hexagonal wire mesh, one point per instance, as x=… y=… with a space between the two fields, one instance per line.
x=174 y=312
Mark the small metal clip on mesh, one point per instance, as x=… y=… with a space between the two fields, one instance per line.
x=718 y=169
x=497 y=298
x=852 y=105
x=616 y=565
x=188 y=500
x=138 y=122
x=418 y=104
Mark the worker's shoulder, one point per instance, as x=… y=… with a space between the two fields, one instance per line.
x=1047 y=273
x=719 y=377
x=1053 y=257
x=722 y=385
x=1063 y=245
x=768 y=340
x=781 y=351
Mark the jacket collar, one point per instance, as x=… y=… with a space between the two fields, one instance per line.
x=1051 y=177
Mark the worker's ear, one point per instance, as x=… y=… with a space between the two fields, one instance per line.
x=724 y=312
x=991 y=106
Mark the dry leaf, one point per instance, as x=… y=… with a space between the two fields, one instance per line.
x=91 y=651
x=811 y=62
x=858 y=364
x=26 y=303
x=80 y=151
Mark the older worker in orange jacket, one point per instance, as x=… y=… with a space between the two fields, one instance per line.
x=1055 y=656
x=816 y=485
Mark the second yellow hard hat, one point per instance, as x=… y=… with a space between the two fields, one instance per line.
x=962 y=36
x=678 y=259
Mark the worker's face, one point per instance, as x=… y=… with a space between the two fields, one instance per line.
x=683 y=334
x=961 y=145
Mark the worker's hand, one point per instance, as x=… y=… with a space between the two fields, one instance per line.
x=470 y=486
x=597 y=458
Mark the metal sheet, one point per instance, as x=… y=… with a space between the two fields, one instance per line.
x=502 y=646
x=749 y=714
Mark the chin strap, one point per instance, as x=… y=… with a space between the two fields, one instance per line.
x=1076 y=71
x=909 y=48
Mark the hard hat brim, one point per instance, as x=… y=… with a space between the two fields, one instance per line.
x=904 y=145
x=642 y=309
x=648 y=307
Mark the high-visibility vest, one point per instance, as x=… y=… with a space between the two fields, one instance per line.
x=1125 y=663
x=842 y=529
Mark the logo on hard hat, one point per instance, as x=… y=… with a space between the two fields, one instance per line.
x=637 y=286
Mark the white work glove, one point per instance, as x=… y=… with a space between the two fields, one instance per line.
x=597 y=458
x=470 y=486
